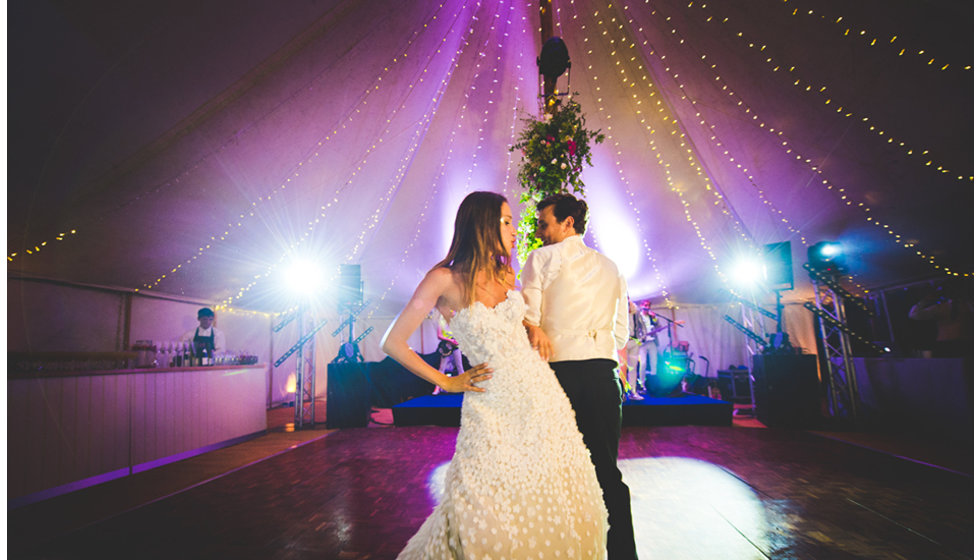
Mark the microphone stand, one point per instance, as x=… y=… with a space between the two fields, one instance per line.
x=670 y=329
x=669 y=387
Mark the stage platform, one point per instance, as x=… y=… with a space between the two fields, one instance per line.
x=683 y=410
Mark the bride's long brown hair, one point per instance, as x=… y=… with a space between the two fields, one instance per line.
x=477 y=245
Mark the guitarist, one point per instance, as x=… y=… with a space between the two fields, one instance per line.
x=641 y=348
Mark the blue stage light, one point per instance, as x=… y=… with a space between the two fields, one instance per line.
x=827 y=256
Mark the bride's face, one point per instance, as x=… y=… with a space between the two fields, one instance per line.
x=508 y=233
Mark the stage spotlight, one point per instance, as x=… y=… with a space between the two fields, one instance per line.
x=304 y=278
x=830 y=250
x=827 y=256
x=748 y=272
x=554 y=58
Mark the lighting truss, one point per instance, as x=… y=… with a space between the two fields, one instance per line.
x=834 y=336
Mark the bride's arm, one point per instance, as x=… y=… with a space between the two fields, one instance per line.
x=395 y=342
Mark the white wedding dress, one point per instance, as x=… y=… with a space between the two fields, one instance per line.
x=520 y=484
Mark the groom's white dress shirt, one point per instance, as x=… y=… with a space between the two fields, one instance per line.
x=578 y=297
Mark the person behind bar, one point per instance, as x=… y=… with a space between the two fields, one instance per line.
x=576 y=318
x=207 y=339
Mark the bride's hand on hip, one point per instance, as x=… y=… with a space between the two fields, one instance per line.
x=468 y=380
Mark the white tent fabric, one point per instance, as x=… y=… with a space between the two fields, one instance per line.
x=196 y=148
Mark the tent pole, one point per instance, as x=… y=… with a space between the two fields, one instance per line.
x=547 y=32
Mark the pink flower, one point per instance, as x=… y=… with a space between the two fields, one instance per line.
x=571 y=147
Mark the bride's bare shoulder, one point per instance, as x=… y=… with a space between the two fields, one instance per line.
x=447 y=284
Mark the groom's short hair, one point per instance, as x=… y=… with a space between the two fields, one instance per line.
x=567 y=205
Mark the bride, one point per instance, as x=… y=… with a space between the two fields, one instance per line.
x=520 y=484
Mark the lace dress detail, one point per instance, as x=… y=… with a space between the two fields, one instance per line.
x=520 y=484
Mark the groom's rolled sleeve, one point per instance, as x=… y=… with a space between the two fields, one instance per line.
x=621 y=331
x=532 y=286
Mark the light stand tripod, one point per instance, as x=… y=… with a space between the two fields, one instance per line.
x=349 y=352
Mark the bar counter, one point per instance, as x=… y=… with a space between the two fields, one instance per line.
x=67 y=430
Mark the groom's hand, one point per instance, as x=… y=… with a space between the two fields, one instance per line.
x=539 y=341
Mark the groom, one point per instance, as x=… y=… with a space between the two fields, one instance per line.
x=577 y=319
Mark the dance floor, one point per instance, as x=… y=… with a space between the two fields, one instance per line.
x=698 y=492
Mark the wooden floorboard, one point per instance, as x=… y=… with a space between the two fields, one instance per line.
x=698 y=492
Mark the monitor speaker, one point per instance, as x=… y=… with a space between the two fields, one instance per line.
x=779 y=265
x=787 y=390
x=350 y=292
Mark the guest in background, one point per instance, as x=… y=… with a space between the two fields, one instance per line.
x=951 y=307
x=634 y=379
x=207 y=339
x=649 y=341
x=450 y=357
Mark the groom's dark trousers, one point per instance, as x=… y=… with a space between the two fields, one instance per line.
x=593 y=389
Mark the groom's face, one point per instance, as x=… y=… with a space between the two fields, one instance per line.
x=551 y=230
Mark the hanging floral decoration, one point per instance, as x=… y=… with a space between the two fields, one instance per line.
x=554 y=149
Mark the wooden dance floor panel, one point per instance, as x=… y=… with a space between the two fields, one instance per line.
x=697 y=492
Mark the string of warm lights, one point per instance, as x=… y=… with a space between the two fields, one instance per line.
x=794 y=154
x=312 y=153
x=674 y=131
x=679 y=129
x=449 y=151
x=702 y=120
x=809 y=86
x=422 y=124
x=239 y=312
x=235 y=140
x=482 y=55
x=832 y=283
x=871 y=39
x=40 y=246
x=373 y=220
x=631 y=200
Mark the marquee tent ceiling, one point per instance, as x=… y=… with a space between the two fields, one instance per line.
x=194 y=147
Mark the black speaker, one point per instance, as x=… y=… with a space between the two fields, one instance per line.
x=348 y=395
x=787 y=390
x=779 y=265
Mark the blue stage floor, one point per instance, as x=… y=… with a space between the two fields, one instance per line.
x=685 y=409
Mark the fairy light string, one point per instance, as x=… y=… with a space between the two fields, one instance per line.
x=40 y=246
x=842 y=193
x=881 y=40
x=659 y=156
x=313 y=153
x=334 y=198
x=372 y=221
x=627 y=187
x=491 y=93
x=450 y=150
x=702 y=120
x=688 y=146
x=673 y=131
x=233 y=140
x=810 y=86
x=375 y=218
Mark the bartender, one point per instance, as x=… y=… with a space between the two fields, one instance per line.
x=207 y=339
